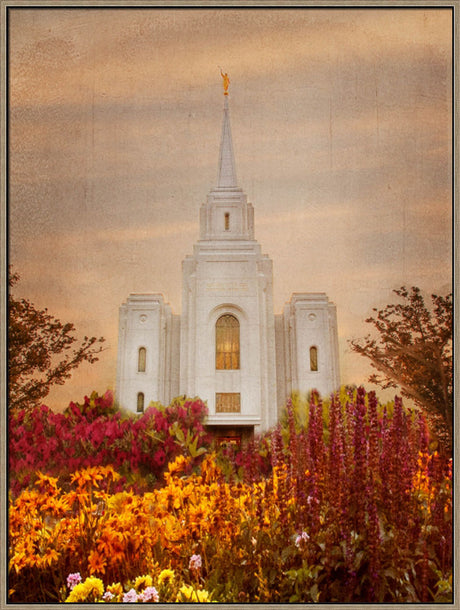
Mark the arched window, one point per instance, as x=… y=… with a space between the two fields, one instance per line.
x=227 y=221
x=313 y=358
x=227 y=343
x=140 y=402
x=141 y=358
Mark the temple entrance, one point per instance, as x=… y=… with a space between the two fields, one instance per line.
x=235 y=436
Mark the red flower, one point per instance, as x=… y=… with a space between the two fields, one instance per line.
x=159 y=458
x=161 y=423
x=107 y=400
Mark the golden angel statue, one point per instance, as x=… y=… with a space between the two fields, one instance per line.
x=226 y=81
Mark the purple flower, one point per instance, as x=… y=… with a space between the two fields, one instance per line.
x=108 y=596
x=195 y=562
x=130 y=597
x=150 y=594
x=73 y=579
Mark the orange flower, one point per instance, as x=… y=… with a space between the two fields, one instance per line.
x=87 y=475
x=45 y=480
x=96 y=563
x=179 y=465
x=50 y=556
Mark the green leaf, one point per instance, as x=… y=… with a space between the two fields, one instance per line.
x=314 y=593
x=179 y=434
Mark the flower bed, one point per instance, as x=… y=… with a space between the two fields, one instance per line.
x=352 y=508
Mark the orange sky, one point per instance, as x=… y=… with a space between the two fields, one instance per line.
x=342 y=131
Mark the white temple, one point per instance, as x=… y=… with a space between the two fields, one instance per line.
x=227 y=347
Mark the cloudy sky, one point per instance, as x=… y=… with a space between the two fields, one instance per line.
x=342 y=132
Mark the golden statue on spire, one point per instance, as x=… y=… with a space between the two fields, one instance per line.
x=226 y=81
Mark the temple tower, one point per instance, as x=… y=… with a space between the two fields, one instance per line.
x=227 y=346
x=227 y=322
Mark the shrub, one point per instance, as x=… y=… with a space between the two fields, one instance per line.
x=95 y=433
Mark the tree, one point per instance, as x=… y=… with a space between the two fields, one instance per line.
x=41 y=351
x=413 y=351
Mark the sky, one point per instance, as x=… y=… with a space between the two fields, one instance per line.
x=342 y=132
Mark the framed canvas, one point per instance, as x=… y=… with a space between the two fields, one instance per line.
x=152 y=154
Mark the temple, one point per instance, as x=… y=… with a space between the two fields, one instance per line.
x=227 y=346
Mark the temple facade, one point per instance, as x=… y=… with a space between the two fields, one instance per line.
x=227 y=346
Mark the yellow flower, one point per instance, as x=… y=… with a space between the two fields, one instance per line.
x=166 y=575
x=116 y=589
x=142 y=582
x=89 y=591
x=188 y=594
x=109 y=472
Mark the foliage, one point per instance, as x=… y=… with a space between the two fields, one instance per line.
x=358 y=510
x=41 y=351
x=413 y=351
x=249 y=462
x=94 y=433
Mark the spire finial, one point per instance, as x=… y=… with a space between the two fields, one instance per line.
x=227 y=174
x=226 y=81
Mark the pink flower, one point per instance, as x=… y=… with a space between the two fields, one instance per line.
x=150 y=594
x=130 y=597
x=195 y=562
x=73 y=579
x=301 y=539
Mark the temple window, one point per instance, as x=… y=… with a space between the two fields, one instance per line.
x=141 y=359
x=227 y=343
x=228 y=402
x=140 y=402
x=313 y=358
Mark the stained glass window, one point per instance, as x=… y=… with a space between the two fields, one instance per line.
x=227 y=343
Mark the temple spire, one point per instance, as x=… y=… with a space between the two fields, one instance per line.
x=227 y=173
x=226 y=215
